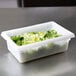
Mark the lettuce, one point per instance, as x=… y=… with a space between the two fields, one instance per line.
x=32 y=37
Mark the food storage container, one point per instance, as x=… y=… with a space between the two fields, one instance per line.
x=40 y=49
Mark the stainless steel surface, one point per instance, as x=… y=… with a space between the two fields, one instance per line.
x=63 y=64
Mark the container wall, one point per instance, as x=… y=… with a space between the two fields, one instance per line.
x=42 y=51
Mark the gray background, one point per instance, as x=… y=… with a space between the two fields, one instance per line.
x=63 y=64
x=8 y=4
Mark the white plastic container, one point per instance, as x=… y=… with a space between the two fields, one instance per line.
x=36 y=50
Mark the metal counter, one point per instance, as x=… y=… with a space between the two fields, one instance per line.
x=63 y=64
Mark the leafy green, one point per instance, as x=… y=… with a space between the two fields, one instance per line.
x=51 y=34
x=17 y=39
x=31 y=37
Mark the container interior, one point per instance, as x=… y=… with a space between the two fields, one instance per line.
x=39 y=27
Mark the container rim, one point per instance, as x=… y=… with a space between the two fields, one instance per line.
x=63 y=37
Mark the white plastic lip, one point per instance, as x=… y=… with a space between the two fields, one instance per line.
x=69 y=36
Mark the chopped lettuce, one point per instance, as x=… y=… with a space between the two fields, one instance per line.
x=32 y=37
